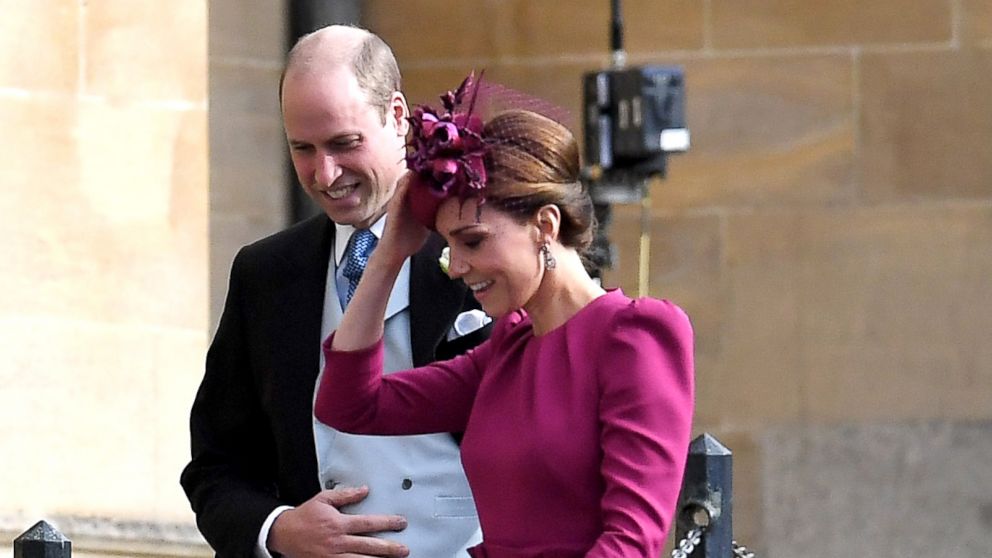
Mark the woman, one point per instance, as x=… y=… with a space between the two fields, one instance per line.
x=577 y=411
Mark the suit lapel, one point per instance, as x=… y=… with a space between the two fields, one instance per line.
x=435 y=301
x=303 y=299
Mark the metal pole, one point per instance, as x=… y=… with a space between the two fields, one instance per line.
x=309 y=15
x=618 y=62
x=707 y=497
x=644 y=259
x=619 y=55
x=42 y=541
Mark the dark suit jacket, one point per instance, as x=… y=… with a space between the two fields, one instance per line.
x=251 y=430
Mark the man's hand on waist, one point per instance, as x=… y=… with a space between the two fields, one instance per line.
x=316 y=529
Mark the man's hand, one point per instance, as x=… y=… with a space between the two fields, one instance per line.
x=317 y=529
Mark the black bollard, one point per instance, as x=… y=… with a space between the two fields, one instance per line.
x=42 y=541
x=707 y=498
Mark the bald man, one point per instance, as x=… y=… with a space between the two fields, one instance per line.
x=266 y=479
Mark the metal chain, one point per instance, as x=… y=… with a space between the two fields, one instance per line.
x=741 y=551
x=687 y=545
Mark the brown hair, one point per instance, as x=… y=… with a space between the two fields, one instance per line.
x=377 y=72
x=533 y=161
x=371 y=60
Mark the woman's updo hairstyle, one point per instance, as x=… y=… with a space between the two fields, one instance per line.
x=533 y=161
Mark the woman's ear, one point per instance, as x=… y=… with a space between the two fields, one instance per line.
x=548 y=222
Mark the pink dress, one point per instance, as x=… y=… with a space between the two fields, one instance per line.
x=575 y=440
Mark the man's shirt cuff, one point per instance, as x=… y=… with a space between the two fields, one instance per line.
x=261 y=548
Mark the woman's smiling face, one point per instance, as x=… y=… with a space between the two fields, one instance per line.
x=496 y=255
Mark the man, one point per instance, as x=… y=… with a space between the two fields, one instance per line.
x=259 y=459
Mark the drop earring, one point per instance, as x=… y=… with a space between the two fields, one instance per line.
x=547 y=256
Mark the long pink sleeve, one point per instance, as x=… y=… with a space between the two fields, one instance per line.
x=646 y=374
x=354 y=396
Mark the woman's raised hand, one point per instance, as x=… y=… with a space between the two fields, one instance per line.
x=404 y=235
x=361 y=325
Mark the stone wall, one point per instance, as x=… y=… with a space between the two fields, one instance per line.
x=830 y=233
x=248 y=178
x=103 y=211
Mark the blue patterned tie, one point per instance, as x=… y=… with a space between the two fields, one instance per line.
x=362 y=243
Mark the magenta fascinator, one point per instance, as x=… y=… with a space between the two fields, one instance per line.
x=446 y=152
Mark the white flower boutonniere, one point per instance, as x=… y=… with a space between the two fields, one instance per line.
x=445 y=260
